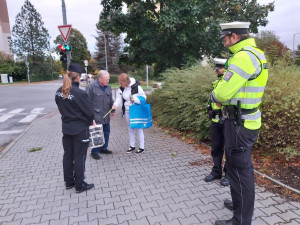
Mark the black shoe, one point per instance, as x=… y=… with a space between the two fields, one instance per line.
x=130 y=150
x=224 y=182
x=84 y=187
x=228 y=204
x=95 y=156
x=106 y=151
x=71 y=185
x=224 y=222
x=211 y=178
x=141 y=150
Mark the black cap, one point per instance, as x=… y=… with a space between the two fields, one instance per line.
x=73 y=67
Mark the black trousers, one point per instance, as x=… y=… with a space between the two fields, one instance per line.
x=217 y=148
x=239 y=142
x=75 y=150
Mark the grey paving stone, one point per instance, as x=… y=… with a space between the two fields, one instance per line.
x=32 y=220
x=144 y=213
x=189 y=220
x=272 y=219
x=71 y=213
x=143 y=221
x=42 y=211
x=259 y=221
x=47 y=218
x=285 y=206
x=288 y=216
x=108 y=221
x=59 y=222
x=77 y=219
x=126 y=217
x=18 y=222
x=153 y=188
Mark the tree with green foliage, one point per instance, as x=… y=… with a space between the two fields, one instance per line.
x=79 y=50
x=113 y=49
x=175 y=33
x=15 y=69
x=30 y=37
x=31 y=42
x=269 y=42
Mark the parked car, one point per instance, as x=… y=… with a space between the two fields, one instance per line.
x=157 y=85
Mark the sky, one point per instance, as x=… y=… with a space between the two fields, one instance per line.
x=84 y=15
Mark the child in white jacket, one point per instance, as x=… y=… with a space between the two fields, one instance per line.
x=128 y=94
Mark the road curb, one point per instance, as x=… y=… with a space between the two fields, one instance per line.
x=13 y=142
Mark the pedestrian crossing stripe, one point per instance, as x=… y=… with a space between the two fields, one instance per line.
x=28 y=116
x=10 y=114
x=33 y=114
x=10 y=131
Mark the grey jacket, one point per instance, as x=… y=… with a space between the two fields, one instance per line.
x=102 y=101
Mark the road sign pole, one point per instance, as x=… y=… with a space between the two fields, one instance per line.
x=65 y=23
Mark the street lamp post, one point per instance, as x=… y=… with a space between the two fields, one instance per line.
x=294 y=45
x=105 y=52
x=86 y=63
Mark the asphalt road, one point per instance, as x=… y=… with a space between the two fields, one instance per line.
x=20 y=105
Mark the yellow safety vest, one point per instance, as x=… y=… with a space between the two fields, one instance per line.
x=245 y=79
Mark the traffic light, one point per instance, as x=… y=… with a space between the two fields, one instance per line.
x=63 y=54
x=67 y=47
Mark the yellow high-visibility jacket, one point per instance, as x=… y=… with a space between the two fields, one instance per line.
x=213 y=105
x=245 y=79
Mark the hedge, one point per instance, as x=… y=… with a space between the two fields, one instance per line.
x=180 y=104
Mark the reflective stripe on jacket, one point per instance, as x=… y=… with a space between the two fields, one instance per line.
x=245 y=79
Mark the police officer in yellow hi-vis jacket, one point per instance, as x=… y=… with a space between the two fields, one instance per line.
x=216 y=128
x=240 y=93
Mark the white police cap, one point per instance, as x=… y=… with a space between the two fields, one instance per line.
x=234 y=27
x=219 y=63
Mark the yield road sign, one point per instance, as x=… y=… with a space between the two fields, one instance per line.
x=65 y=30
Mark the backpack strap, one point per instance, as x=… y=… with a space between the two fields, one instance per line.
x=123 y=103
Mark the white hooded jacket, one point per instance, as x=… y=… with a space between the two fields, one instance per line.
x=126 y=94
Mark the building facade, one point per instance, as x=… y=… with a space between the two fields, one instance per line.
x=5 y=34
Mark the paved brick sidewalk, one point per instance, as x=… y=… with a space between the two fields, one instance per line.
x=153 y=188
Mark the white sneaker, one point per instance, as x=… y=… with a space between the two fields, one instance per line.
x=140 y=150
x=130 y=150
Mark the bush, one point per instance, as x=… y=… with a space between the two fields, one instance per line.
x=113 y=79
x=281 y=110
x=180 y=104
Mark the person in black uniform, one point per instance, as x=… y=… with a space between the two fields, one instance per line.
x=217 y=134
x=77 y=115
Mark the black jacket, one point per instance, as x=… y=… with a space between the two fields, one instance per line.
x=76 y=111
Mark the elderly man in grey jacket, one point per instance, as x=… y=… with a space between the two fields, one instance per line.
x=100 y=94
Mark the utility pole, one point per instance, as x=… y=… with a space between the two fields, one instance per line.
x=68 y=53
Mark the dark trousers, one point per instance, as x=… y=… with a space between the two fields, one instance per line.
x=238 y=148
x=217 y=148
x=106 y=133
x=75 y=149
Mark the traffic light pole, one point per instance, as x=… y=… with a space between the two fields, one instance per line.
x=65 y=23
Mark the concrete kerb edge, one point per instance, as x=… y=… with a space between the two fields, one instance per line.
x=11 y=144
